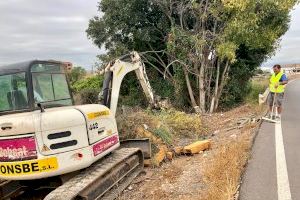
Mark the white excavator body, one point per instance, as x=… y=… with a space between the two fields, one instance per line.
x=42 y=132
x=55 y=142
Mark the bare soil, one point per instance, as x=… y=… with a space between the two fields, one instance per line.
x=210 y=175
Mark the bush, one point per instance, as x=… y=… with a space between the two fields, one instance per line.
x=131 y=93
x=257 y=87
x=239 y=84
x=89 y=83
x=181 y=123
x=87 y=96
x=86 y=90
x=164 y=124
x=164 y=134
x=76 y=74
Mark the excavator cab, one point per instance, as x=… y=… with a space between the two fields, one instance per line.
x=31 y=85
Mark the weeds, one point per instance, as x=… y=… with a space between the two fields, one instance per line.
x=257 y=87
x=181 y=123
x=222 y=174
x=164 y=135
x=164 y=124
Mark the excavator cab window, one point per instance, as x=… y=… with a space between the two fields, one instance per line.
x=13 y=93
x=50 y=85
x=29 y=85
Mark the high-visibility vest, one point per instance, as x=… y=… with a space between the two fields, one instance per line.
x=275 y=80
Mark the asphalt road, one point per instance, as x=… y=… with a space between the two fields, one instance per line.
x=273 y=171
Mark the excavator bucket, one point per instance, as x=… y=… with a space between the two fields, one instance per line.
x=143 y=144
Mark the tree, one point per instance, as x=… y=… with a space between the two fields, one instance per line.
x=87 y=89
x=196 y=45
x=206 y=35
x=133 y=25
x=128 y=25
x=92 y=83
x=76 y=74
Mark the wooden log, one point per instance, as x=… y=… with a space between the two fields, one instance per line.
x=140 y=131
x=160 y=156
x=170 y=155
x=178 y=150
x=147 y=163
x=198 y=146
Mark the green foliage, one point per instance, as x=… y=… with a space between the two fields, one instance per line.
x=131 y=93
x=181 y=123
x=93 y=82
x=161 y=87
x=227 y=51
x=76 y=74
x=166 y=125
x=86 y=90
x=88 y=96
x=164 y=134
x=180 y=99
x=257 y=87
x=242 y=33
x=131 y=25
x=128 y=25
x=238 y=86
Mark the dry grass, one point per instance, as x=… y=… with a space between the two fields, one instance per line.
x=210 y=175
x=180 y=123
x=223 y=172
x=163 y=124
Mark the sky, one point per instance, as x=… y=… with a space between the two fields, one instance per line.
x=288 y=53
x=55 y=29
x=42 y=29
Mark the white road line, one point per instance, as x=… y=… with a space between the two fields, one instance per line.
x=283 y=185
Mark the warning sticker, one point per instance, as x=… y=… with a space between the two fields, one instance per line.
x=28 y=167
x=94 y=115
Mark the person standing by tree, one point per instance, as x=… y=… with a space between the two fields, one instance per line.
x=277 y=85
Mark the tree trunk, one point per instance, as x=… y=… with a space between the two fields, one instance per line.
x=189 y=87
x=202 y=89
x=213 y=100
x=222 y=84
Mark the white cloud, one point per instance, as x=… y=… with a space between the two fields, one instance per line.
x=290 y=43
x=55 y=29
x=33 y=29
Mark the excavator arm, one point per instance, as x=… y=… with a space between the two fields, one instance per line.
x=115 y=72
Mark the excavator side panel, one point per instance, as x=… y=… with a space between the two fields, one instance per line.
x=62 y=130
x=99 y=122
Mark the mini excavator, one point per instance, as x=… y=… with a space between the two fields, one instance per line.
x=45 y=136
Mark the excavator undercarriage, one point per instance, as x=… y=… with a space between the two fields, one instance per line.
x=105 y=179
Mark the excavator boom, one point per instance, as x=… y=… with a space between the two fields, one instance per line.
x=115 y=71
